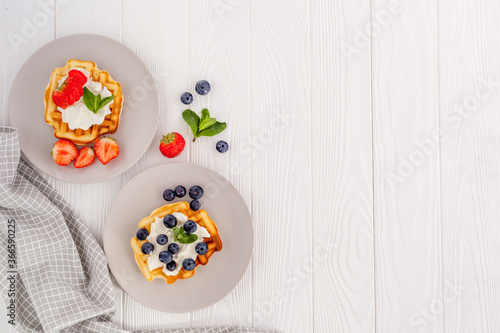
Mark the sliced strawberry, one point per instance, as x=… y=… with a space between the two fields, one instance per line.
x=76 y=77
x=106 y=149
x=71 y=90
x=74 y=93
x=61 y=98
x=64 y=152
x=85 y=158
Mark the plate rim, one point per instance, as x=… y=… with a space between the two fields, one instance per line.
x=156 y=98
x=136 y=178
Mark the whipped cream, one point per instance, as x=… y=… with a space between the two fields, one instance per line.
x=185 y=250
x=78 y=115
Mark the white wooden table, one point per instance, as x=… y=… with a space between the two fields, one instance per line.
x=367 y=140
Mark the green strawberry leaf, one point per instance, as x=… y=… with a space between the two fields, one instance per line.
x=192 y=119
x=214 y=129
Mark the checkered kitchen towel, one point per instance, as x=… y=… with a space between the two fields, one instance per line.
x=62 y=281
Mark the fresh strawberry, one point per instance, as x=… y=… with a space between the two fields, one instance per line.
x=76 y=77
x=172 y=144
x=64 y=152
x=60 y=98
x=106 y=149
x=85 y=158
x=70 y=90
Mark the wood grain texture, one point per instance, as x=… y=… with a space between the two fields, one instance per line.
x=333 y=109
x=90 y=201
x=25 y=27
x=281 y=166
x=146 y=32
x=218 y=51
x=341 y=169
x=406 y=164
x=469 y=71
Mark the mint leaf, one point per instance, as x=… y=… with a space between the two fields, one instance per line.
x=88 y=99
x=204 y=124
x=204 y=114
x=176 y=233
x=188 y=239
x=182 y=237
x=213 y=130
x=95 y=102
x=105 y=101
x=192 y=119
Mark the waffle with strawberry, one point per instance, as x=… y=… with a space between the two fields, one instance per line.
x=71 y=90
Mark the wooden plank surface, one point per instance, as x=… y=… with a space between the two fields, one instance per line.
x=341 y=156
x=281 y=165
x=469 y=71
x=406 y=164
x=366 y=131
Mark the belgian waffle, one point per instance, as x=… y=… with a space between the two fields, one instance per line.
x=54 y=117
x=200 y=217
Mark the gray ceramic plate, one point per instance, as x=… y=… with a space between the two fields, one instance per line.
x=226 y=208
x=138 y=121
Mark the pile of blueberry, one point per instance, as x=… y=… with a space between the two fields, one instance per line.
x=166 y=257
x=195 y=193
x=202 y=87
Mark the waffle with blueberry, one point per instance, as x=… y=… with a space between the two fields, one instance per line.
x=205 y=247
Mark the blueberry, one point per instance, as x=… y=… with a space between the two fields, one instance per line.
x=195 y=205
x=187 y=98
x=165 y=257
x=188 y=264
x=142 y=234
x=168 y=195
x=147 y=248
x=169 y=221
x=171 y=266
x=195 y=192
x=202 y=87
x=162 y=239
x=173 y=248
x=190 y=226
x=221 y=146
x=201 y=248
x=180 y=191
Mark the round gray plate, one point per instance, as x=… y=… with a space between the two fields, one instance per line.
x=138 y=121
x=226 y=208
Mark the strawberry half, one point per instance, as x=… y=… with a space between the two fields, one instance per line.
x=85 y=158
x=106 y=149
x=172 y=144
x=64 y=152
x=71 y=90
x=76 y=77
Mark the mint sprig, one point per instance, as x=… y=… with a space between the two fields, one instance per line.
x=183 y=237
x=95 y=102
x=204 y=126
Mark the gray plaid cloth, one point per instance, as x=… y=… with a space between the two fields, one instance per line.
x=62 y=279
